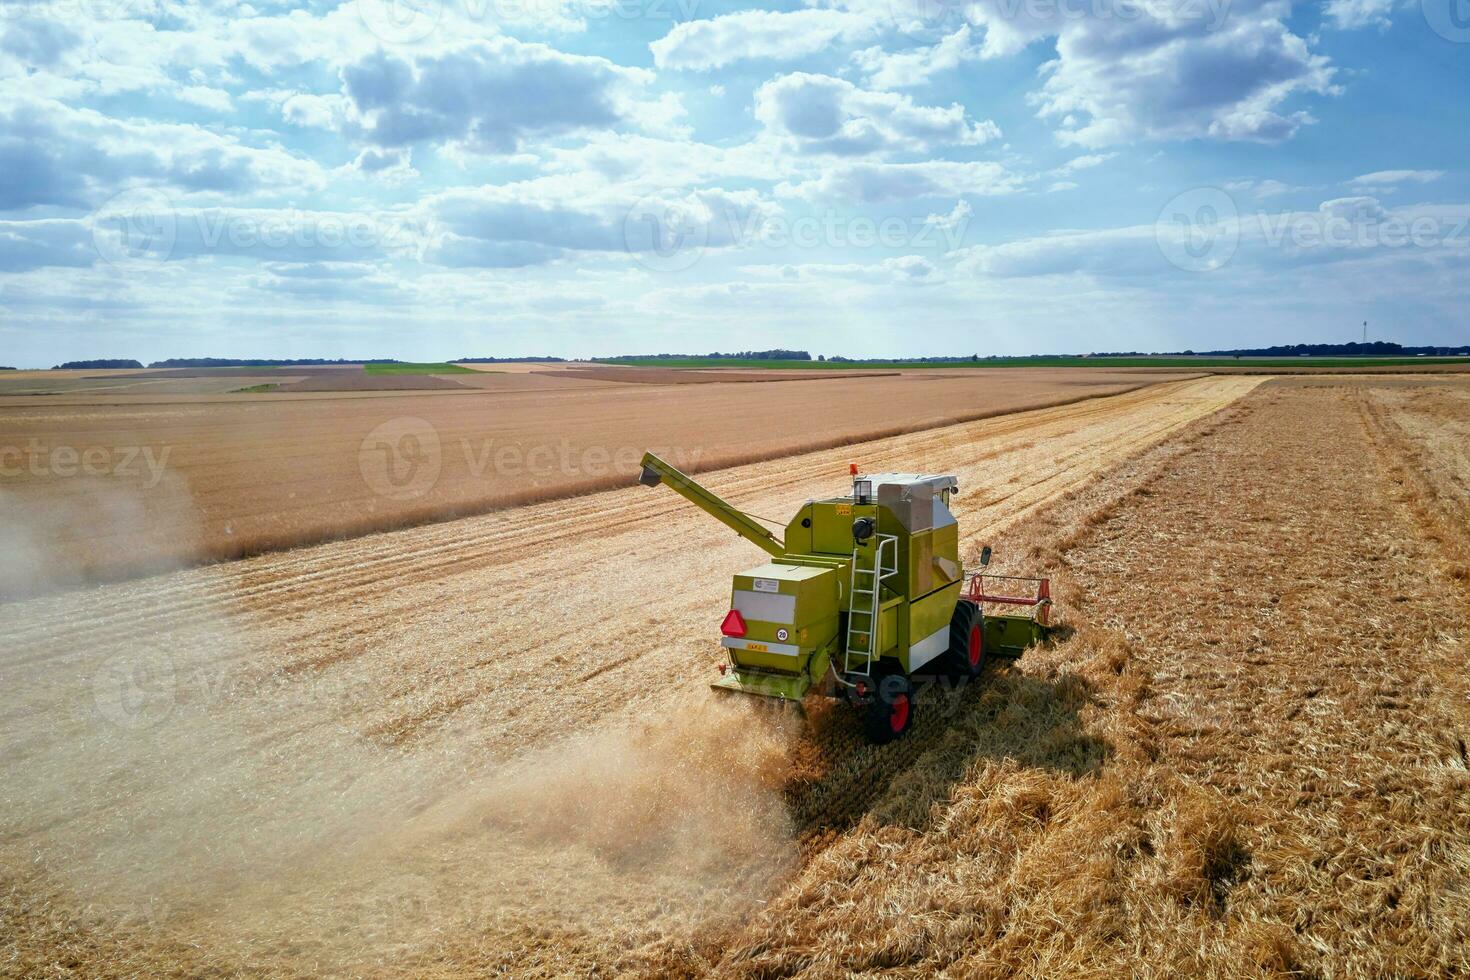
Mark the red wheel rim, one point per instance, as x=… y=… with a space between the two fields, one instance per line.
x=899 y=717
x=976 y=646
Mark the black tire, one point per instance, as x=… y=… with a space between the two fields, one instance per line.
x=888 y=710
x=965 y=658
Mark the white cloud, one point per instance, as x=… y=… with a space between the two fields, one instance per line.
x=1259 y=189
x=1085 y=162
x=55 y=154
x=956 y=221
x=873 y=183
x=1350 y=14
x=822 y=114
x=490 y=96
x=26 y=245
x=534 y=222
x=908 y=69
x=1343 y=230
x=1174 y=79
x=1384 y=179
x=700 y=45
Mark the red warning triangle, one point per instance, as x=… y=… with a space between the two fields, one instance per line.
x=734 y=624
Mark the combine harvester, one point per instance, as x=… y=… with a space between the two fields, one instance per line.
x=864 y=592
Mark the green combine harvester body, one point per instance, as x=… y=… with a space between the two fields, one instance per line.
x=863 y=592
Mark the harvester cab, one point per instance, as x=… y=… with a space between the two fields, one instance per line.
x=863 y=592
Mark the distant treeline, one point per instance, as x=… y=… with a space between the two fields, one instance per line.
x=745 y=355
x=210 y=362
x=4 y=368
x=1374 y=348
x=839 y=359
x=508 y=360
x=96 y=365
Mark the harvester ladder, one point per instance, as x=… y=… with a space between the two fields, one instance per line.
x=865 y=586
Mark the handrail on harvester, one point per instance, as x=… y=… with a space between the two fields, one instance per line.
x=1041 y=602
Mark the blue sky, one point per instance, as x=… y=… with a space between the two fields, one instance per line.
x=437 y=178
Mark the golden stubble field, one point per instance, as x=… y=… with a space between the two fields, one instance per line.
x=141 y=473
x=484 y=746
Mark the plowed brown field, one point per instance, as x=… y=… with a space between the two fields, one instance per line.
x=97 y=486
x=485 y=746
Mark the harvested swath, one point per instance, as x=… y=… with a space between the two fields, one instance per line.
x=248 y=473
x=1248 y=758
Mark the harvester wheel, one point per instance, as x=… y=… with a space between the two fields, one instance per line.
x=889 y=709
x=966 y=655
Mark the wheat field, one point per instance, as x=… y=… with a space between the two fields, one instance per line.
x=135 y=476
x=485 y=746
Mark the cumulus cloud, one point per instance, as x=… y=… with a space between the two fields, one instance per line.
x=1350 y=14
x=490 y=96
x=701 y=45
x=1174 y=79
x=1135 y=69
x=822 y=114
x=53 y=154
x=907 y=69
x=37 y=42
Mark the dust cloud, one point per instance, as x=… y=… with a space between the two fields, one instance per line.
x=176 y=781
x=64 y=533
